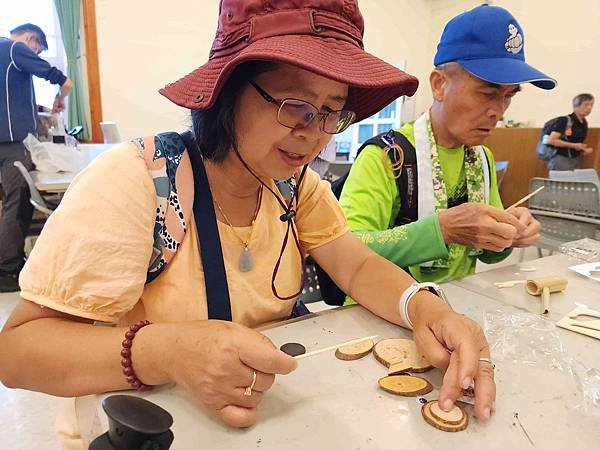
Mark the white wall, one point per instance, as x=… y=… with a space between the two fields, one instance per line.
x=142 y=47
x=398 y=31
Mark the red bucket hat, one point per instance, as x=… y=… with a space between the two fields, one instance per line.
x=322 y=36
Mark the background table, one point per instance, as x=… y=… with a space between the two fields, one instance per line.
x=59 y=182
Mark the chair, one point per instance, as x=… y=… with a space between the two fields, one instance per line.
x=501 y=169
x=110 y=132
x=575 y=175
x=567 y=210
x=339 y=168
x=36 y=199
x=311 y=291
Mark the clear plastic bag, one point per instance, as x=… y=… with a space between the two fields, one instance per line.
x=49 y=157
x=585 y=249
x=534 y=340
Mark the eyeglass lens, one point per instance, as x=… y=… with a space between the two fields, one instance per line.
x=299 y=114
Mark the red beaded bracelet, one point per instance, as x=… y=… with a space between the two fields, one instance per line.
x=128 y=371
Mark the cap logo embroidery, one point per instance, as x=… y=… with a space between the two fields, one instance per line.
x=514 y=42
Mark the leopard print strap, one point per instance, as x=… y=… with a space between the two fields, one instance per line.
x=169 y=166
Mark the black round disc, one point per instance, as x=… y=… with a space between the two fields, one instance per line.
x=293 y=349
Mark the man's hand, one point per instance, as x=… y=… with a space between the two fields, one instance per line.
x=59 y=104
x=582 y=147
x=480 y=226
x=59 y=100
x=531 y=234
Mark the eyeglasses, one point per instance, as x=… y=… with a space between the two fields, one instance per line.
x=298 y=114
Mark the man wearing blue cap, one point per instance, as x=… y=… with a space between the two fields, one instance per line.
x=459 y=217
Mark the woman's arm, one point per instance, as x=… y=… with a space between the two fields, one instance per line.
x=49 y=351
x=370 y=279
x=71 y=356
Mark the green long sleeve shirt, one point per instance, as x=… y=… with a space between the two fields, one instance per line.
x=371 y=202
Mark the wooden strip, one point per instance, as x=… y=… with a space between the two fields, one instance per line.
x=570 y=324
x=93 y=69
x=333 y=347
x=524 y=199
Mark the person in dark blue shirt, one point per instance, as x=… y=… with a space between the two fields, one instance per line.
x=19 y=62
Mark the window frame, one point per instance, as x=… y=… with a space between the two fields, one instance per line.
x=375 y=120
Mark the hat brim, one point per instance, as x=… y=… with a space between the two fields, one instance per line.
x=507 y=71
x=374 y=83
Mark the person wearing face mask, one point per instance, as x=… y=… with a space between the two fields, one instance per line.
x=236 y=201
x=19 y=62
x=568 y=133
x=459 y=216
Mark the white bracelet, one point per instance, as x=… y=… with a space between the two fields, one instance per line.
x=409 y=293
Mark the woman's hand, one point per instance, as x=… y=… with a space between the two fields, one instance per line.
x=454 y=343
x=215 y=362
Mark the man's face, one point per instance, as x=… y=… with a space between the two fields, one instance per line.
x=584 y=109
x=470 y=106
x=32 y=41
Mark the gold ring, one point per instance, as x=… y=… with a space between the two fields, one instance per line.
x=489 y=361
x=248 y=391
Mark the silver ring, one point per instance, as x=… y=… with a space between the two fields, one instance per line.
x=488 y=360
x=248 y=391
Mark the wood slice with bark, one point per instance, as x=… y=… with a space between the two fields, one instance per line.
x=451 y=421
x=405 y=385
x=355 y=351
x=400 y=355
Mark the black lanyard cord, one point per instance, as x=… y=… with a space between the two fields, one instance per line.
x=295 y=194
x=287 y=216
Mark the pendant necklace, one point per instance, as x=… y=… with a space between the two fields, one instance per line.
x=245 y=262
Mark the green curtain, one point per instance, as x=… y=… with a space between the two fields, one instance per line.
x=69 y=16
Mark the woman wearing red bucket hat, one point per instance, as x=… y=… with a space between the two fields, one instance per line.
x=282 y=77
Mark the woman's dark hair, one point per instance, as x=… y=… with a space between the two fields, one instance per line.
x=214 y=128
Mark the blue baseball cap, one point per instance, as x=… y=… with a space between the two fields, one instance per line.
x=489 y=43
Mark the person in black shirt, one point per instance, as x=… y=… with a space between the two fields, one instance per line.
x=569 y=139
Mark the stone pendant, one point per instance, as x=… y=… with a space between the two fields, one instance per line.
x=245 y=264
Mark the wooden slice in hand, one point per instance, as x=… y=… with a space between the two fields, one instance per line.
x=405 y=385
x=358 y=350
x=401 y=355
x=453 y=420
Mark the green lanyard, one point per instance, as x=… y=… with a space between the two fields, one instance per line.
x=474 y=176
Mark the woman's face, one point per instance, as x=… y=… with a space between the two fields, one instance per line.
x=269 y=148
